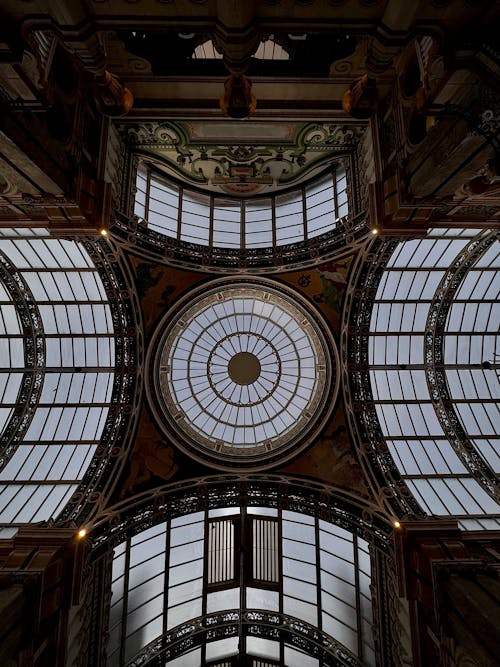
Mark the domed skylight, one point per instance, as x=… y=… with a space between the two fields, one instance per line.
x=242 y=373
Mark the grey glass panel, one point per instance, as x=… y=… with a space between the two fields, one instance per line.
x=71 y=410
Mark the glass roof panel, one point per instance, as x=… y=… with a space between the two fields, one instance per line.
x=235 y=223
x=153 y=595
x=427 y=440
x=57 y=330
x=243 y=370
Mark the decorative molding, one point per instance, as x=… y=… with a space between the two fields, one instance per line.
x=435 y=371
x=350 y=234
x=116 y=438
x=378 y=465
x=299 y=494
x=252 y=623
x=34 y=358
x=241 y=165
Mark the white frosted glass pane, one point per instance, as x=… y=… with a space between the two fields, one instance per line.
x=338 y=587
x=426 y=457
x=192 y=569
x=184 y=592
x=5 y=414
x=186 y=553
x=294 y=658
x=263 y=648
x=145 y=603
x=187 y=534
x=222 y=648
x=263 y=511
x=300 y=609
x=184 y=612
x=342 y=633
x=145 y=634
x=259 y=598
x=32 y=503
x=299 y=570
x=340 y=609
x=427 y=497
x=300 y=589
x=490 y=451
x=187 y=519
x=220 y=600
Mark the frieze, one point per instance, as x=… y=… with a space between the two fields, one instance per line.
x=242 y=165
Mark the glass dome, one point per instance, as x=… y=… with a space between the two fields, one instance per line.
x=243 y=372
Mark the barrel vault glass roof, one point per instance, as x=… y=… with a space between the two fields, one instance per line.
x=301 y=567
x=225 y=222
x=434 y=355
x=57 y=360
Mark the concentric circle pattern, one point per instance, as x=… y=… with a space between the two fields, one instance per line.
x=242 y=372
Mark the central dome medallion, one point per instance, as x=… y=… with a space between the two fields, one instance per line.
x=243 y=373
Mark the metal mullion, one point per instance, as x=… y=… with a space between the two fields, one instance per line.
x=243 y=577
x=211 y=224
x=126 y=579
x=92 y=334
x=50 y=443
x=61 y=248
x=280 y=577
x=417 y=401
x=147 y=194
x=57 y=269
x=319 y=589
x=62 y=473
x=458 y=500
x=336 y=196
x=443 y=475
x=273 y=224
x=38 y=482
x=73 y=404
x=418 y=301
x=260 y=554
x=65 y=302
x=62 y=369
x=242 y=226
x=204 y=594
x=304 y=214
x=358 y=596
x=417 y=269
x=179 y=212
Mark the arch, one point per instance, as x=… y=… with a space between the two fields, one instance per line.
x=65 y=330
x=408 y=379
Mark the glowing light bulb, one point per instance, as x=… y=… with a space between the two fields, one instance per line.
x=104 y=232
x=375 y=230
x=397 y=524
x=82 y=532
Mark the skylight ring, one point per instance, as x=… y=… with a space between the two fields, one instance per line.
x=253 y=397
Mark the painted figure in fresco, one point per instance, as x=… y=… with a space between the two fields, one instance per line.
x=334 y=282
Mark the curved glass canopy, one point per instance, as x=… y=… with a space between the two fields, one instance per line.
x=213 y=221
x=243 y=372
x=260 y=582
x=434 y=352
x=57 y=357
x=200 y=229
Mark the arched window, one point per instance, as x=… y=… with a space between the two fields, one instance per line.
x=287 y=228
x=280 y=581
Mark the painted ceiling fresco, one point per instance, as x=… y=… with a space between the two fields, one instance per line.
x=244 y=158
